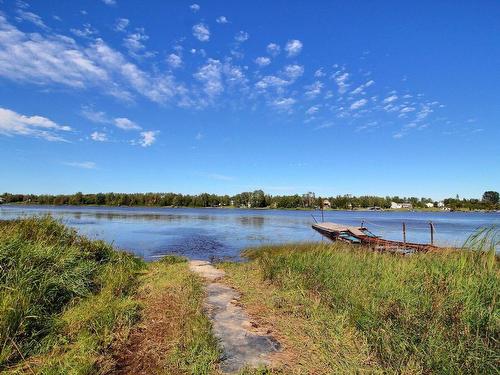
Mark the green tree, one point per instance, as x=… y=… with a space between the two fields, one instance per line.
x=491 y=197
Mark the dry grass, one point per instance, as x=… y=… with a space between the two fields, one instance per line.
x=338 y=309
x=173 y=335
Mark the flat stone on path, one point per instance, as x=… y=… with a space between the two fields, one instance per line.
x=242 y=345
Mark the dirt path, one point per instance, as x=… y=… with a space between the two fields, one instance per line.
x=242 y=343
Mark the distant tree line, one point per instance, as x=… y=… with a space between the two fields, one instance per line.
x=254 y=199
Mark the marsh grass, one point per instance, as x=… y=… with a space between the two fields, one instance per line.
x=426 y=313
x=63 y=298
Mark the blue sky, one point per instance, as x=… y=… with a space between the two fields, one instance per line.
x=385 y=98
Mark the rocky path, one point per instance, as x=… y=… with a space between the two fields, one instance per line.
x=243 y=344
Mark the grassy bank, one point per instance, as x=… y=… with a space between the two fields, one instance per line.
x=63 y=299
x=69 y=305
x=339 y=309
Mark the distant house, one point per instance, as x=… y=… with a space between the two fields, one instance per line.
x=397 y=206
x=327 y=204
x=429 y=205
x=440 y=204
x=1 y=200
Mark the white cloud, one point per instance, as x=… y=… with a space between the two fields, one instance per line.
x=81 y=164
x=221 y=19
x=241 y=36
x=99 y=137
x=262 y=61
x=314 y=90
x=148 y=138
x=210 y=75
x=201 y=32
x=86 y=32
x=31 y=17
x=94 y=116
x=13 y=123
x=293 y=71
x=390 y=99
x=273 y=49
x=60 y=60
x=358 y=104
x=271 y=81
x=174 y=60
x=293 y=47
x=100 y=117
x=199 y=136
x=324 y=126
x=319 y=73
x=134 y=42
x=109 y=2
x=341 y=80
x=125 y=124
x=283 y=104
x=407 y=109
x=194 y=7
x=312 y=110
x=121 y=24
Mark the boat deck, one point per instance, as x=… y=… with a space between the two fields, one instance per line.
x=362 y=236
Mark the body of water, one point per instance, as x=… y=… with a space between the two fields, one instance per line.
x=222 y=233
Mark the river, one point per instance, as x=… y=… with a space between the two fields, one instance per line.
x=212 y=233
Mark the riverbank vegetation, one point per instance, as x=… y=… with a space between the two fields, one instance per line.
x=255 y=199
x=339 y=309
x=72 y=305
x=69 y=305
x=63 y=298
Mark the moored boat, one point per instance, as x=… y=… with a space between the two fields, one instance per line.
x=362 y=236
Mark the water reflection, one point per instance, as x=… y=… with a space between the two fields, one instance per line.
x=219 y=233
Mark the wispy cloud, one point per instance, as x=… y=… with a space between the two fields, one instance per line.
x=194 y=7
x=36 y=20
x=101 y=117
x=99 y=137
x=358 y=104
x=109 y=2
x=220 y=177
x=125 y=124
x=81 y=164
x=13 y=123
x=121 y=24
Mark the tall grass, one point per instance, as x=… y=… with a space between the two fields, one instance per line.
x=62 y=298
x=425 y=313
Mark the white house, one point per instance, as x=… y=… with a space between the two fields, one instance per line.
x=440 y=204
x=429 y=205
x=396 y=206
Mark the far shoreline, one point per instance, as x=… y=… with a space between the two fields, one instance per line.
x=435 y=210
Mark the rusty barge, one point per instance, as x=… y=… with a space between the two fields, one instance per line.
x=362 y=236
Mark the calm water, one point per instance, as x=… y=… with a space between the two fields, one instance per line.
x=223 y=233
